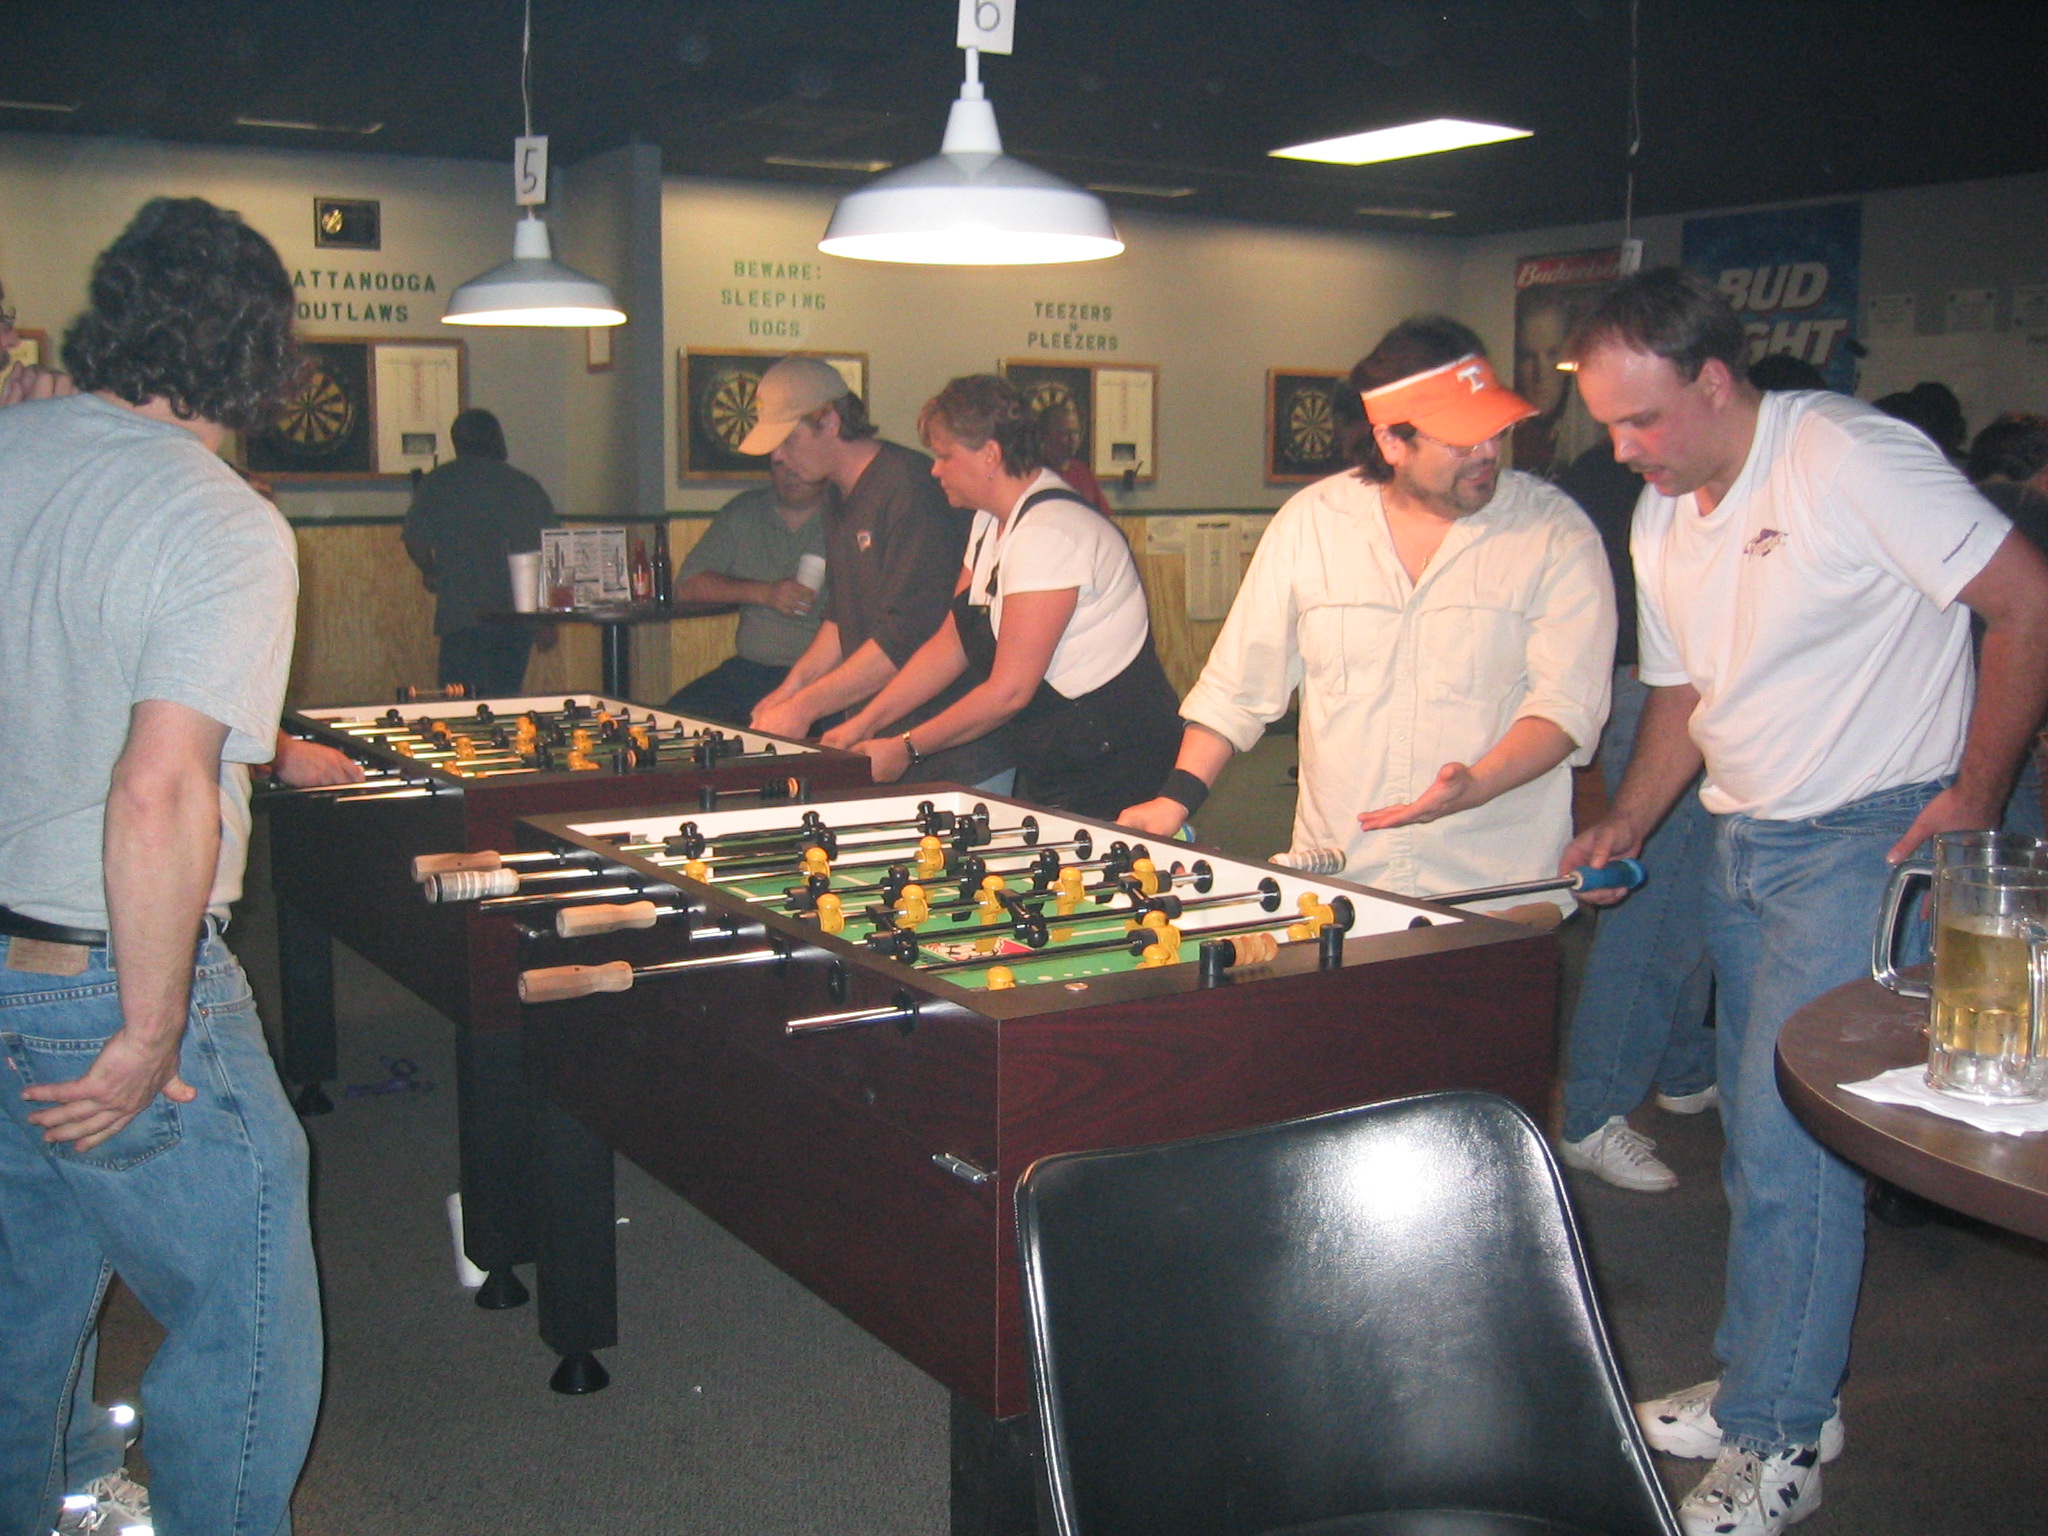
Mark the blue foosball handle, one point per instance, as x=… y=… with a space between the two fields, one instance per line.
x=1615 y=875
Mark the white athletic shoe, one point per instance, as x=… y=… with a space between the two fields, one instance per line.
x=1707 y=1098
x=107 y=1506
x=1622 y=1155
x=1683 y=1425
x=1750 y=1495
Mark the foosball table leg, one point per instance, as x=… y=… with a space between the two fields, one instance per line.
x=998 y=1474
x=576 y=1274
x=305 y=970
x=499 y=1164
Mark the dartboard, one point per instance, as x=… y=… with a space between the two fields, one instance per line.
x=731 y=410
x=1311 y=425
x=1051 y=395
x=319 y=416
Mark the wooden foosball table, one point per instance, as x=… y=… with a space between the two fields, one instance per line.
x=453 y=776
x=844 y=1029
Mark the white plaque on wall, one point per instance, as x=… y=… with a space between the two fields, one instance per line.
x=1124 y=405
x=419 y=392
x=1214 y=567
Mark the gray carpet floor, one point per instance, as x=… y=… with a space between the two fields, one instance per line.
x=740 y=1404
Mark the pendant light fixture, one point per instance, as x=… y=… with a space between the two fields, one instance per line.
x=971 y=205
x=532 y=288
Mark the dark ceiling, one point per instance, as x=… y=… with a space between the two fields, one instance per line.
x=1743 y=101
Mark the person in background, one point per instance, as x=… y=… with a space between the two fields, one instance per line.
x=1056 y=441
x=1935 y=410
x=1048 y=625
x=893 y=549
x=2008 y=464
x=1780 y=371
x=145 y=1130
x=751 y=555
x=25 y=381
x=1802 y=568
x=1450 y=626
x=466 y=518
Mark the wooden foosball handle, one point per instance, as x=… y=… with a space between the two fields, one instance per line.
x=605 y=917
x=452 y=863
x=561 y=982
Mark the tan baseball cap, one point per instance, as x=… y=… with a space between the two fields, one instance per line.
x=789 y=391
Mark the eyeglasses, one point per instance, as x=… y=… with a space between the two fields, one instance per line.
x=1462 y=453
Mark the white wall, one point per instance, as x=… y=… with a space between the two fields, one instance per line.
x=1922 y=241
x=62 y=200
x=1214 y=305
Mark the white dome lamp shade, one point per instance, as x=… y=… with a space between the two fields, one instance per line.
x=971 y=205
x=532 y=289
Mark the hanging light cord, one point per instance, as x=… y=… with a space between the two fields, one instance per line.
x=526 y=68
x=1635 y=117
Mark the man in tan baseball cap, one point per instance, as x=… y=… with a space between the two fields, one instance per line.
x=789 y=391
x=893 y=551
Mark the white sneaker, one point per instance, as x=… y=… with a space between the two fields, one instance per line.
x=1622 y=1155
x=1707 y=1098
x=1683 y=1425
x=1751 y=1495
x=113 y=1505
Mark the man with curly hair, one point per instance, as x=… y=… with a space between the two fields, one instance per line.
x=143 y=657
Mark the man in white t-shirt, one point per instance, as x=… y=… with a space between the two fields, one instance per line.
x=1450 y=627
x=1805 y=569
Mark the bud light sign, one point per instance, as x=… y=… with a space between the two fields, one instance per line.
x=1791 y=274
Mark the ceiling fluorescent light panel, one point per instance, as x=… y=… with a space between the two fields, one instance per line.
x=1399 y=143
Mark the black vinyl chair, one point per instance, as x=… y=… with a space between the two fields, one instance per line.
x=1375 y=1322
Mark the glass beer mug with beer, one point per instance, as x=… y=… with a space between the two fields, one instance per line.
x=1952 y=850
x=1987 y=1022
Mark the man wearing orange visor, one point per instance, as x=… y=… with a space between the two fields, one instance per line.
x=1450 y=627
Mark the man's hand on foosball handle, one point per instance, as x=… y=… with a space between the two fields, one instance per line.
x=121 y=1083
x=304 y=764
x=1613 y=838
x=1160 y=817
x=888 y=759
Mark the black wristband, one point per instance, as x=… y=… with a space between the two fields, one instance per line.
x=1184 y=788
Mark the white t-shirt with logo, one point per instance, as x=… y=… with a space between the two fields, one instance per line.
x=1056 y=545
x=1814 y=609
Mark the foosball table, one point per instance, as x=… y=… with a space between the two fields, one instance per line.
x=453 y=775
x=844 y=1029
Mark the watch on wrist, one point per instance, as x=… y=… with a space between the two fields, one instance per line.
x=910 y=746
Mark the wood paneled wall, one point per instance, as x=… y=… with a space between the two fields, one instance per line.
x=366 y=624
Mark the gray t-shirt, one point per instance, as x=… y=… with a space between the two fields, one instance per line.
x=749 y=541
x=141 y=568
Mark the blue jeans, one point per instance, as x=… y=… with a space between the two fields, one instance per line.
x=728 y=692
x=202 y=1208
x=1641 y=1018
x=1788 y=913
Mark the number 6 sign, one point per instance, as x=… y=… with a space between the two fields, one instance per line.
x=987 y=24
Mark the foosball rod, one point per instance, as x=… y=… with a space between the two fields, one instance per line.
x=1614 y=875
x=558 y=983
x=895 y=853
x=1044 y=868
x=1135 y=942
x=928 y=822
x=883 y=912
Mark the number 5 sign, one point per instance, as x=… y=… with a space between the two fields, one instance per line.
x=987 y=24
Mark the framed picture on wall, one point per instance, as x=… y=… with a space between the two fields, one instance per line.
x=1068 y=388
x=366 y=410
x=1126 y=432
x=1304 y=439
x=715 y=395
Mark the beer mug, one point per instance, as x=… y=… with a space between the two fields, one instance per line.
x=1985 y=1022
x=1980 y=850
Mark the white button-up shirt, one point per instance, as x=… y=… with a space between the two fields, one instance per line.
x=1512 y=617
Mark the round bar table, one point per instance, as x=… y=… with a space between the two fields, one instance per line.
x=1857 y=1031
x=617 y=625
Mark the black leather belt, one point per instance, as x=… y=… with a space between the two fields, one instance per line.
x=15 y=925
